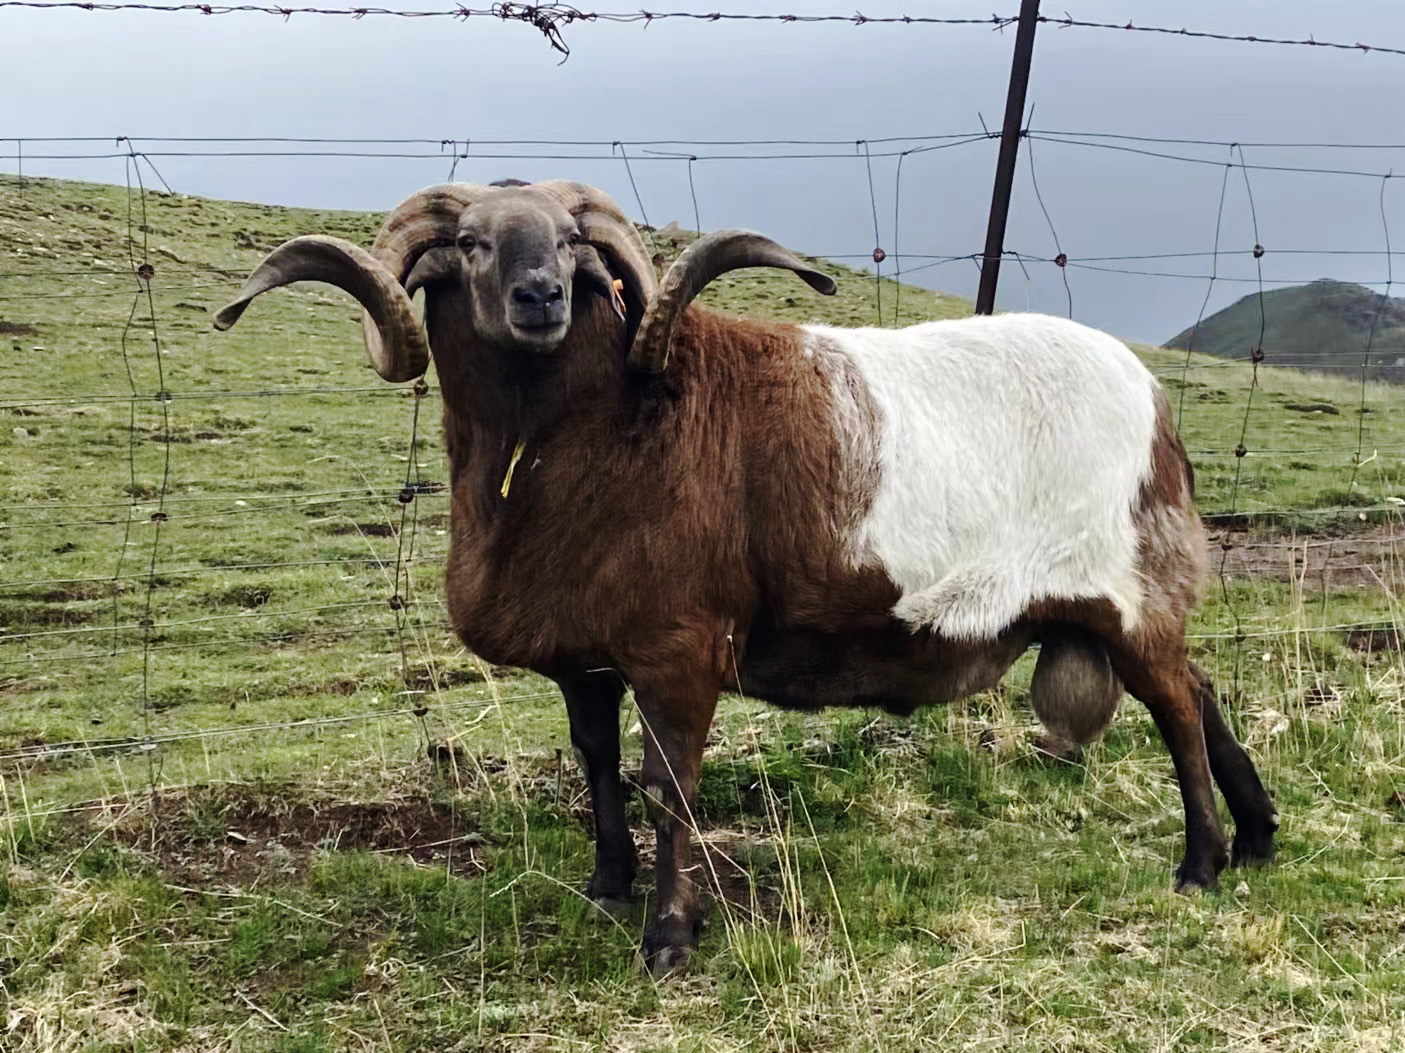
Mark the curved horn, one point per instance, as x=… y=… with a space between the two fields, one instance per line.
x=427 y=219
x=611 y=231
x=394 y=340
x=705 y=259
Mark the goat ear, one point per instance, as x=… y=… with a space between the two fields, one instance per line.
x=591 y=270
x=595 y=274
x=436 y=265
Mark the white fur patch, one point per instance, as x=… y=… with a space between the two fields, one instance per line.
x=1012 y=449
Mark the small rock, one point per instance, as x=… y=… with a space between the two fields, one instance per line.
x=1241 y=889
x=235 y=837
x=998 y=740
x=21 y=433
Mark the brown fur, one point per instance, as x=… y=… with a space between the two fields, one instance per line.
x=686 y=531
x=631 y=513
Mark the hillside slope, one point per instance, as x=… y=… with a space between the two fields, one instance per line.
x=250 y=803
x=1325 y=326
x=75 y=343
x=286 y=403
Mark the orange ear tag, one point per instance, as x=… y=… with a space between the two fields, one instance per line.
x=617 y=298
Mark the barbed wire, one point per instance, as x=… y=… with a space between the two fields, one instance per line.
x=551 y=19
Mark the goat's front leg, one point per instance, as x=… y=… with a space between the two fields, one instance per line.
x=675 y=718
x=593 y=704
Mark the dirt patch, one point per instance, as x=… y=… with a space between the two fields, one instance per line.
x=365 y=529
x=247 y=837
x=16 y=329
x=17 y=616
x=1374 y=641
x=78 y=592
x=240 y=836
x=1367 y=558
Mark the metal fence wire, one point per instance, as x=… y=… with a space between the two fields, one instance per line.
x=183 y=542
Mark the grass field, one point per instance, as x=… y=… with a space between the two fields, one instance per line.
x=250 y=806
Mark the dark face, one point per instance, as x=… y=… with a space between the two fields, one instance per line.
x=518 y=260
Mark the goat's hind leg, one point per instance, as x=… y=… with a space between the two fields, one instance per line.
x=1255 y=818
x=1164 y=684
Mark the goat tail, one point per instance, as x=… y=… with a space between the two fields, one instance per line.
x=1074 y=690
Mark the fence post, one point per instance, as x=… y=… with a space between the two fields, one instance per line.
x=1009 y=150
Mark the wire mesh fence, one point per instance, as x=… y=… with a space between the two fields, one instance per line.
x=244 y=535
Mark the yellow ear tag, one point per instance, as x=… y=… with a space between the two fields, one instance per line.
x=516 y=456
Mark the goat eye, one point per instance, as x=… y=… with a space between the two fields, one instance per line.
x=574 y=237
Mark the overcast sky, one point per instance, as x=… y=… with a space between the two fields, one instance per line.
x=144 y=75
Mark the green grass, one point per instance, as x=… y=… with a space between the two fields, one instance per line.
x=374 y=878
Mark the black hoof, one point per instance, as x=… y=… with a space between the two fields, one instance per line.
x=668 y=944
x=1252 y=848
x=1191 y=877
x=611 y=888
x=614 y=907
x=663 y=962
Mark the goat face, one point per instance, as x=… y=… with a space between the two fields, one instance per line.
x=516 y=256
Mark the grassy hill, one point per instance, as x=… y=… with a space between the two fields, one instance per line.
x=248 y=806
x=1325 y=326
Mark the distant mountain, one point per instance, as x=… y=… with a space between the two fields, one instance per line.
x=1325 y=326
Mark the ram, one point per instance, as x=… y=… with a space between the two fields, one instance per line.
x=648 y=494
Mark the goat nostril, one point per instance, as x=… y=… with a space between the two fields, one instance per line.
x=542 y=295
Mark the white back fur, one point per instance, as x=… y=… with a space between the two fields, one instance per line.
x=1012 y=449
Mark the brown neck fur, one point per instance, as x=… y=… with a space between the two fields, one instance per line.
x=635 y=502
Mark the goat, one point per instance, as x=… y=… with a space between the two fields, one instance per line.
x=651 y=494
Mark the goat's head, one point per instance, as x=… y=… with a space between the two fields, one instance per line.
x=513 y=253
x=515 y=259
x=511 y=256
